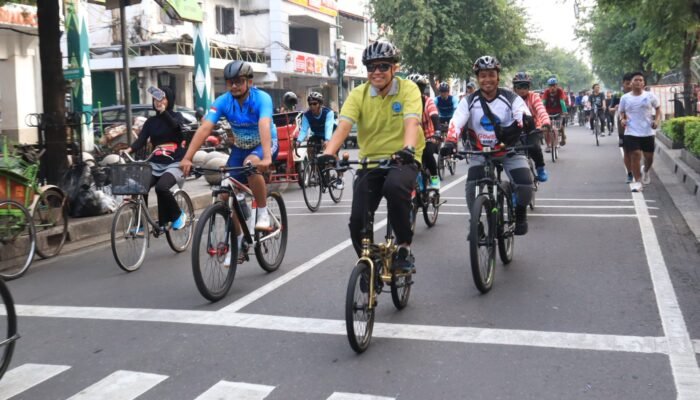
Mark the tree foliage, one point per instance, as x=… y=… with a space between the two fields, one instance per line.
x=543 y=63
x=442 y=38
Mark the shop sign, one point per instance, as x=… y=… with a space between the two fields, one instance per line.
x=328 y=7
x=309 y=64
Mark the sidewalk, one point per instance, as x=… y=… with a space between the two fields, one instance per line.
x=682 y=184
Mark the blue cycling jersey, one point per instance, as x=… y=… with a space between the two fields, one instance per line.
x=244 y=119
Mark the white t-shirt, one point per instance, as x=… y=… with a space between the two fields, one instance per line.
x=506 y=107
x=586 y=103
x=640 y=111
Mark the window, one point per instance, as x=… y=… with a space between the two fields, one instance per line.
x=304 y=39
x=225 y=20
x=167 y=20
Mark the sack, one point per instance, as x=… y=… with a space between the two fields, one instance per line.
x=79 y=186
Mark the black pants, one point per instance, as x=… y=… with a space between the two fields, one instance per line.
x=168 y=210
x=535 y=152
x=431 y=148
x=601 y=116
x=396 y=184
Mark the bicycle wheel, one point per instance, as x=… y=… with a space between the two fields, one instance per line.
x=213 y=241
x=506 y=224
x=50 y=216
x=482 y=246
x=8 y=327
x=312 y=187
x=441 y=167
x=535 y=182
x=333 y=180
x=401 y=289
x=17 y=240
x=129 y=236
x=431 y=206
x=596 y=129
x=181 y=238
x=413 y=216
x=553 y=144
x=451 y=165
x=270 y=246
x=359 y=317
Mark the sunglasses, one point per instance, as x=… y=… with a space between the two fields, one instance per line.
x=313 y=104
x=383 y=67
x=238 y=81
x=552 y=85
x=522 y=86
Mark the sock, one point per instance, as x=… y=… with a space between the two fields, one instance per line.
x=262 y=211
x=240 y=240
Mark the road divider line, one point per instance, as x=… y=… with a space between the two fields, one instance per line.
x=122 y=385
x=356 y=396
x=26 y=376
x=555 y=199
x=225 y=390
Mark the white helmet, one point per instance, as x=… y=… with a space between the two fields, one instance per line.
x=111 y=159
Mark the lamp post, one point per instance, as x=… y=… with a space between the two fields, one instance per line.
x=340 y=59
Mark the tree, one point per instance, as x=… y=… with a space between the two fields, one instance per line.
x=442 y=38
x=543 y=63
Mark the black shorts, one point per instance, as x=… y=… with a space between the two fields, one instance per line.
x=633 y=143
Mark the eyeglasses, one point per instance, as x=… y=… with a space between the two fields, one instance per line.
x=238 y=81
x=383 y=67
x=553 y=85
x=522 y=86
x=313 y=104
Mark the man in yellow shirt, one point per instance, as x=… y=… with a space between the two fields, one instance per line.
x=387 y=111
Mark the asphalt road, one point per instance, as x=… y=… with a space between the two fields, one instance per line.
x=600 y=302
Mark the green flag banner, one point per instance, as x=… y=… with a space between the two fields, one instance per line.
x=186 y=10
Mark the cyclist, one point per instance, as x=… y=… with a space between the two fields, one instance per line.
x=598 y=104
x=249 y=111
x=446 y=103
x=290 y=101
x=164 y=130
x=578 y=102
x=521 y=84
x=429 y=123
x=508 y=109
x=387 y=110
x=555 y=103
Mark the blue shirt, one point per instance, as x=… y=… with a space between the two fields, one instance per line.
x=327 y=124
x=446 y=107
x=244 y=120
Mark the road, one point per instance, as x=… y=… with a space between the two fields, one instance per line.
x=600 y=302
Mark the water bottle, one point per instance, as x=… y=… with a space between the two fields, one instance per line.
x=420 y=182
x=244 y=205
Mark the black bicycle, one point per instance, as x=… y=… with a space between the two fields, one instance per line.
x=372 y=272
x=215 y=234
x=426 y=199
x=316 y=180
x=8 y=327
x=492 y=218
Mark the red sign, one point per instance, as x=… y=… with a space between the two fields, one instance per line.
x=300 y=63
x=310 y=65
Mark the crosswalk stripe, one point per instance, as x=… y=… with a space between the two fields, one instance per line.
x=122 y=385
x=356 y=396
x=225 y=390
x=19 y=379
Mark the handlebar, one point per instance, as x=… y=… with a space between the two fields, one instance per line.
x=489 y=151
x=248 y=169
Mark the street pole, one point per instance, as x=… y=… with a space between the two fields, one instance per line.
x=126 y=83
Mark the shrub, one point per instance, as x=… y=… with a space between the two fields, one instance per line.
x=692 y=138
x=675 y=128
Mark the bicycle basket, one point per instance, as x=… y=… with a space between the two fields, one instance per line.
x=14 y=186
x=130 y=179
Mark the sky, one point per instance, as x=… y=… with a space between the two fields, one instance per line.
x=554 y=22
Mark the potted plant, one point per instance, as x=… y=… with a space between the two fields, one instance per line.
x=672 y=131
x=691 y=152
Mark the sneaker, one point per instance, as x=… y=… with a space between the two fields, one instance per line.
x=180 y=222
x=138 y=232
x=434 y=183
x=646 y=177
x=263 y=222
x=630 y=178
x=542 y=174
x=403 y=260
x=520 y=220
x=339 y=184
x=636 y=187
x=547 y=150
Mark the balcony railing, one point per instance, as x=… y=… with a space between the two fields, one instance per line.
x=187 y=49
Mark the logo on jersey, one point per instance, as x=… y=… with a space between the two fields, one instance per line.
x=396 y=107
x=486 y=123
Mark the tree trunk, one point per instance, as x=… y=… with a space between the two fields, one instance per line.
x=689 y=47
x=52 y=89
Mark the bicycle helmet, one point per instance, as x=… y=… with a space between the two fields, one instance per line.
x=552 y=81
x=380 y=51
x=290 y=100
x=471 y=85
x=420 y=80
x=315 y=96
x=444 y=87
x=486 y=62
x=237 y=68
x=522 y=77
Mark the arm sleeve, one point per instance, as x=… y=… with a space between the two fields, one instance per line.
x=304 y=128
x=143 y=136
x=458 y=121
x=623 y=104
x=265 y=106
x=430 y=107
x=330 y=121
x=541 y=116
x=413 y=105
x=654 y=101
x=519 y=108
x=215 y=110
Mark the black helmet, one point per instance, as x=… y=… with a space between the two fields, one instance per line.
x=237 y=68
x=522 y=77
x=290 y=100
x=444 y=87
x=486 y=62
x=418 y=79
x=380 y=51
x=315 y=96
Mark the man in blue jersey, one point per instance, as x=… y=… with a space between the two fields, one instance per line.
x=446 y=104
x=319 y=119
x=249 y=111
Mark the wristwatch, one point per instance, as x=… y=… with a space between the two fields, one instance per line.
x=411 y=149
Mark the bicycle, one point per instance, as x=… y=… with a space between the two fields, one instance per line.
x=8 y=327
x=492 y=218
x=596 y=124
x=371 y=273
x=315 y=181
x=215 y=235
x=17 y=239
x=553 y=136
x=425 y=198
x=531 y=164
x=448 y=162
x=133 y=225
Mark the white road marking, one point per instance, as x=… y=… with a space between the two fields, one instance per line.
x=122 y=385
x=538 y=205
x=433 y=333
x=531 y=214
x=684 y=365
x=224 y=390
x=356 y=396
x=555 y=199
x=26 y=376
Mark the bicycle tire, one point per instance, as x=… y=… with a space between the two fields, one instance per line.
x=451 y=165
x=401 y=289
x=180 y=239
x=17 y=240
x=50 y=216
x=213 y=240
x=552 y=144
x=555 y=147
x=506 y=224
x=336 y=194
x=134 y=238
x=277 y=246
x=482 y=235
x=359 y=317
x=431 y=207
x=312 y=187
x=8 y=343
x=414 y=213
x=441 y=167
x=596 y=130
x=535 y=183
